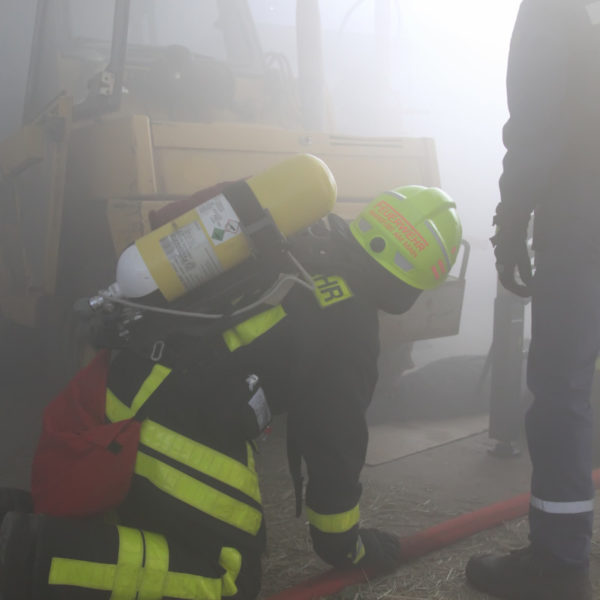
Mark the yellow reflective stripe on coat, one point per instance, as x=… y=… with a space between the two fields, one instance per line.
x=251 y=462
x=246 y=332
x=335 y=523
x=130 y=579
x=199 y=495
x=118 y=411
x=193 y=454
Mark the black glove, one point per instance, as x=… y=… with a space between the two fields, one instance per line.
x=383 y=553
x=510 y=249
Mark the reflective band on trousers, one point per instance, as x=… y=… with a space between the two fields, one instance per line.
x=245 y=333
x=117 y=411
x=131 y=579
x=562 y=508
x=335 y=523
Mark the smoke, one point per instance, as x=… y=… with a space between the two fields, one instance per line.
x=16 y=30
x=429 y=68
x=424 y=68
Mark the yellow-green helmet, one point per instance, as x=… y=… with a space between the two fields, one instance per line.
x=413 y=231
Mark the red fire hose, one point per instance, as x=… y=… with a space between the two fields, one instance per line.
x=419 y=544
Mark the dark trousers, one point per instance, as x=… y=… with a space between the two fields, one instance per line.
x=564 y=345
x=52 y=558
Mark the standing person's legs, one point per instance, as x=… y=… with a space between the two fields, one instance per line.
x=562 y=356
x=564 y=345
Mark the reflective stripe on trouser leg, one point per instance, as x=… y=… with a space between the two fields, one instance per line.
x=564 y=345
x=122 y=563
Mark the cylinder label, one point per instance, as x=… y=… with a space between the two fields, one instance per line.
x=191 y=255
x=219 y=219
x=191 y=249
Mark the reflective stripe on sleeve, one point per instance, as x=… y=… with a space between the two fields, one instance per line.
x=246 y=332
x=334 y=523
x=117 y=411
x=562 y=508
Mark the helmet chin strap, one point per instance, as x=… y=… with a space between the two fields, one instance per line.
x=366 y=276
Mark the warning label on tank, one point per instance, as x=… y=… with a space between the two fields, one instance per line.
x=219 y=219
x=191 y=255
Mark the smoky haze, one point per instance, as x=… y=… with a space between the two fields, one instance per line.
x=16 y=30
x=425 y=68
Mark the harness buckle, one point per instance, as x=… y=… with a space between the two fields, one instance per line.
x=157 y=350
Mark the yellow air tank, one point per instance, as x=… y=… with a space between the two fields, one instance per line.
x=209 y=239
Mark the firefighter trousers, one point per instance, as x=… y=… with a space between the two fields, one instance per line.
x=52 y=558
x=565 y=342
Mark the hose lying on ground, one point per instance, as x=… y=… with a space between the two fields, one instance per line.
x=418 y=544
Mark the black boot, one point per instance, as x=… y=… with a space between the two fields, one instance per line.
x=18 y=535
x=525 y=575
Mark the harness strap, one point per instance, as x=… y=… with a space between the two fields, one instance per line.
x=257 y=222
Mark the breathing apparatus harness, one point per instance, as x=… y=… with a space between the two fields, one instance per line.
x=219 y=304
x=276 y=265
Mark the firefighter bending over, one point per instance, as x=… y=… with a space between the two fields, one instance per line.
x=189 y=522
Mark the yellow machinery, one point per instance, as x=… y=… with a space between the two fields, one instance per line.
x=134 y=103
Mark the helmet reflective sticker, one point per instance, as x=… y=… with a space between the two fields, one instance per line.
x=364 y=225
x=402 y=262
x=438 y=239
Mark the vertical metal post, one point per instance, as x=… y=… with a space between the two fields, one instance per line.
x=118 y=51
x=383 y=41
x=311 y=80
x=506 y=399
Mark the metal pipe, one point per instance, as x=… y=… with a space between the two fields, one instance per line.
x=311 y=80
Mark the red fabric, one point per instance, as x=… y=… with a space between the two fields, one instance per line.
x=83 y=465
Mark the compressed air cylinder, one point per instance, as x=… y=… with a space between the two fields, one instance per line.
x=209 y=239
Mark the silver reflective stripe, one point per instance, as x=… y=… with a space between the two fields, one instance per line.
x=396 y=195
x=364 y=225
x=258 y=403
x=562 y=508
x=440 y=243
x=593 y=10
x=402 y=262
